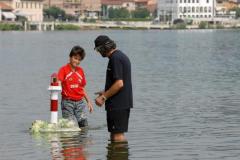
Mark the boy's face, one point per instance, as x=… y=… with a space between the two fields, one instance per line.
x=75 y=60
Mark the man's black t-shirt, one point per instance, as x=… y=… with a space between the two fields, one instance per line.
x=119 y=68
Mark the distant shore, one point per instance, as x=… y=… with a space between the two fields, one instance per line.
x=122 y=25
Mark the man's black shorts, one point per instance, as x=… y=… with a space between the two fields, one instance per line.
x=117 y=120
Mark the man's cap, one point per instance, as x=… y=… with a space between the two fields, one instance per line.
x=101 y=40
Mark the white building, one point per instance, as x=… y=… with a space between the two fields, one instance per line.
x=196 y=10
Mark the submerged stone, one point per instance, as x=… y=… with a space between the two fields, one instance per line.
x=63 y=125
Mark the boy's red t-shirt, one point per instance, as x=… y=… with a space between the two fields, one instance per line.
x=73 y=82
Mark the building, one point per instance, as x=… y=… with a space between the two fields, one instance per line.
x=130 y=5
x=79 y=8
x=196 y=10
x=6 y=13
x=31 y=9
x=224 y=9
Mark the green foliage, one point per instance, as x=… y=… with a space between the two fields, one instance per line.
x=89 y=20
x=21 y=19
x=10 y=27
x=66 y=27
x=54 y=12
x=237 y=9
x=129 y=19
x=140 y=13
x=69 y=17
x=118 y=13
x=219 y=26
x=203 y=25
x=179 y=26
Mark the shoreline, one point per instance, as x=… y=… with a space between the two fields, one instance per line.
x=64 y=26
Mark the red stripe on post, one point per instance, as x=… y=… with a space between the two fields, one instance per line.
x=54 y=105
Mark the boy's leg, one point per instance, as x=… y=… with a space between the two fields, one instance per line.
x=81 y=113
x=67 y=109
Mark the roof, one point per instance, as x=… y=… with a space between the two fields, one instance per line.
x=3 y=6
x=115 y=2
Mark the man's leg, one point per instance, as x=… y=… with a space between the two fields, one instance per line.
x=118 y=137
x=117 y=121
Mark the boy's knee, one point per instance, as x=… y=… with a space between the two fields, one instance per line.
x=83 y=123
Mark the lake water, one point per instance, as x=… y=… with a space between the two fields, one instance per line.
x=186 y=95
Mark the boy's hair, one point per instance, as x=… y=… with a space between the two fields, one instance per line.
x=77 y=50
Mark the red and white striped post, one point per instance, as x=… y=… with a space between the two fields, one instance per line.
x=54 y=88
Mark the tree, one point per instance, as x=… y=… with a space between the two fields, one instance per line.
x=54 y=12
x=237 y=12
x=140 y=13
x=118 y=13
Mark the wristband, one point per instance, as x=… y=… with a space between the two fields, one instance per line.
x=104 y=98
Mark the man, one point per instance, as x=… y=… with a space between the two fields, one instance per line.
x=117 y=95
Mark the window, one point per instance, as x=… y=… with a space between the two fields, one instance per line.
x=201 y=9
x=189 y=9
x=197 y=9
x=205 y=9
x=184 y=9
x=193 y=9
x=193 y=1
x=209 y=9
x=207 y=1
x=180 y=9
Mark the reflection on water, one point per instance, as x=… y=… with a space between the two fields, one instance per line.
x=72 y=146
x=117 y=151
x=68 y=146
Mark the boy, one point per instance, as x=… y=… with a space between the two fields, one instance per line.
x=73 y=81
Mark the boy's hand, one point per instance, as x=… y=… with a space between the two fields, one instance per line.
x=90 y=107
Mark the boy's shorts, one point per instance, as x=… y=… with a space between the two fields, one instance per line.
x=117 y=120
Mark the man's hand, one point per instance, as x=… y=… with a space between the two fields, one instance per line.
x=99 y=93
x=100 y=100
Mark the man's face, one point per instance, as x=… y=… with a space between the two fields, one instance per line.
x=75 y=60
x=101 y=50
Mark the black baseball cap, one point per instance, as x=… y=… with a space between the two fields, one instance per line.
x=101 y=40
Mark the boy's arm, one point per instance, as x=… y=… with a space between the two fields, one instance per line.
x=88 y=100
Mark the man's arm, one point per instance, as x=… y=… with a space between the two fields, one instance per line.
x=114 y=89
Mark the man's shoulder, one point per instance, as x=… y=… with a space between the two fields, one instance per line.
x=119 y=55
